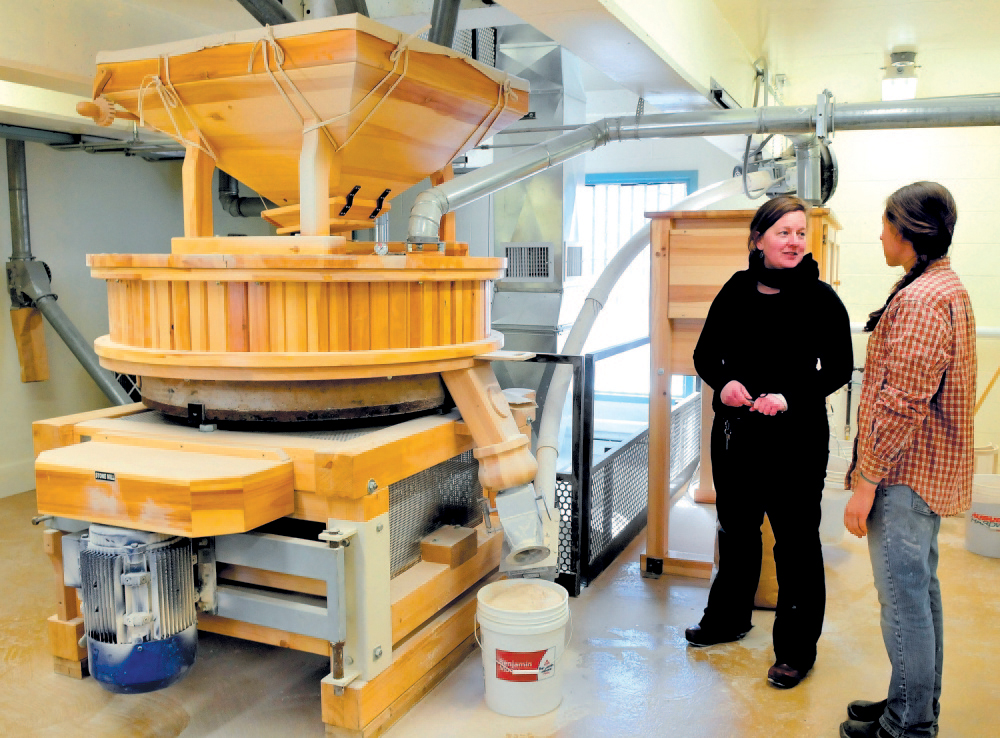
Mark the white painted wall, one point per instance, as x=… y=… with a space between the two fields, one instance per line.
x=81 y=203
x=842 y=46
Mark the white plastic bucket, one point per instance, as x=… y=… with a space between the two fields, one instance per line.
x=982 y=521
x=523 y=627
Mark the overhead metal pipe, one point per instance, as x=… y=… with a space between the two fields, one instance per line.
x=352 y=6
x=432 y=204
x=17 y=185
x=28 y=278
x=268 y=12
x=444 y=20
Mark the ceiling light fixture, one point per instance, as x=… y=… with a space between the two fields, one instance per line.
x=900 y=80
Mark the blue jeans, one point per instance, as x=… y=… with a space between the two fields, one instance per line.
x=903 y=545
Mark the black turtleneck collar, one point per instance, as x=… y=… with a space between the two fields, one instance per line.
x=805 y=272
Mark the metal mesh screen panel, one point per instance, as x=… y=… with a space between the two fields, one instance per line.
x=619 y=484
x=485 y=46
x=130 y=383
x=685 y=439
x=463 y=42
x=448 y=493
x=618 y=493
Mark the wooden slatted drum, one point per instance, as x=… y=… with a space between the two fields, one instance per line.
x=294 y=337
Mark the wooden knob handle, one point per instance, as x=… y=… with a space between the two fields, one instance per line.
x=103 y=113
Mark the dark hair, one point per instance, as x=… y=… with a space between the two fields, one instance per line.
x=770 y=213
x=924 y=213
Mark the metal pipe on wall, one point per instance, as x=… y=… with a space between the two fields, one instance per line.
x=444 y=20
x=17 y=184
x=28 y=279
x=432 y=204
x=268 y=12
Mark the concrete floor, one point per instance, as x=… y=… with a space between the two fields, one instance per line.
x=627 y=671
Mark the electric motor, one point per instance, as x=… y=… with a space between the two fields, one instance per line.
x=139 y=599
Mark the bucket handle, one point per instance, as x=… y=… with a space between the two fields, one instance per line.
x=569 y=637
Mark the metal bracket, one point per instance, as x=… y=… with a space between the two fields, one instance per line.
x=344 y=681
x=824 y=115
x=379 y=202
x=349 y=200
x=338 y=538
x=28 y=280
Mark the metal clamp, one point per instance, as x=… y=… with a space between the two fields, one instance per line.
x=824 y=115
x=338 y=538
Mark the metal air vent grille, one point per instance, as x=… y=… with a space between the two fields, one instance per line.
x=528 y=262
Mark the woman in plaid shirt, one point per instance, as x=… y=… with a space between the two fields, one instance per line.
x=913 y=454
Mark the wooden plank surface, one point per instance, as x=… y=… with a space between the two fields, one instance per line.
x=29 y=338
x=176 y=492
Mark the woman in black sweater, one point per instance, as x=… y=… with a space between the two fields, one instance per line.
x=776 y=342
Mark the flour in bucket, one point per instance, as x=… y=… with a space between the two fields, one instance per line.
x=523 y=627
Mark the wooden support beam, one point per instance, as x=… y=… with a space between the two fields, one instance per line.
x=316 y=163
x=66 y=605
x=368 y=710
x=446 y=231
x=196 y=180
x=658 y=515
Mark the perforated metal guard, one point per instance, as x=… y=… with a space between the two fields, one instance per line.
x=615 y=509
x=618 y=493
x=448 y=493
x=565 y=502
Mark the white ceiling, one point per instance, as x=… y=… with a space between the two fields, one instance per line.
x=665 y=50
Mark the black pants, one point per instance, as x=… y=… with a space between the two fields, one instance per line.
x=775 y=468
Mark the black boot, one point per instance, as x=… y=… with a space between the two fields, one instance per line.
x=866 y=711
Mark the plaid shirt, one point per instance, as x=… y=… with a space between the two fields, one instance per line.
x=919 y=392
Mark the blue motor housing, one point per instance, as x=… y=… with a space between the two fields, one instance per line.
x=143 y=667
x=139 y=608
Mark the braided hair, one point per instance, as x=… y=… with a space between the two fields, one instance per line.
x=923 y=213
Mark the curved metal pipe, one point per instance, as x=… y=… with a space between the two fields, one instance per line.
x=236 y=206
x=946 y=112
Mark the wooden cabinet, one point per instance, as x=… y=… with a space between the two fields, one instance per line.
x=693 y=253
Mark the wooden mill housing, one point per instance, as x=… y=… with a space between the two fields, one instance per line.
x=328 y=119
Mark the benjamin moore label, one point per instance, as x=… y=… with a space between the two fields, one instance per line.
x=104 y=476
x=525 y=666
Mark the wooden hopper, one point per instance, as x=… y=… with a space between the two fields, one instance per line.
x=394 y=109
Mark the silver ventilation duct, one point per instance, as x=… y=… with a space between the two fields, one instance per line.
x=820 y=121
x=533 y=218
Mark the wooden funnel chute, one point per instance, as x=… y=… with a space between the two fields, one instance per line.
x=394 y=109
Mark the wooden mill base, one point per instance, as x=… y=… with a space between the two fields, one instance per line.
x=432 y=605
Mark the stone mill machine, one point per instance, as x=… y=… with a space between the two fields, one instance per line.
x=320 y=432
